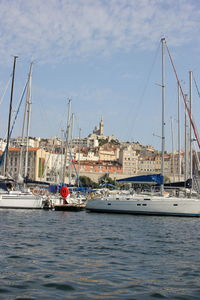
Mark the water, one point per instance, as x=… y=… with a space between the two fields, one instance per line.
x=79 y=255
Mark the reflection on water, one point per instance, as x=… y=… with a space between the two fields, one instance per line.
x=79 y=255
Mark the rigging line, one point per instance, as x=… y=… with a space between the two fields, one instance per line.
x=196 y=86
x=71 y=158
x=6 y=148
x=146 y=84
x=77 y=123
x=184 y=99
x=4 y=92
x=197 y=158
x=17 y=112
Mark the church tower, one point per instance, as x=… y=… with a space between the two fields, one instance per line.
x=101 y=127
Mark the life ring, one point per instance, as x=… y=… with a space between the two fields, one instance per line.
x=64 y=191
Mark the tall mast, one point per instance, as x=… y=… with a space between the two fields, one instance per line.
x=61 y=173
x=186 y=141
x=79 y=157
x=28 y=100
x=172 y=149
x=25 y=120
x=163 y=112
x=190 y=146
x=179 y=135
x=70 y=147
x=67 y=138
x=10 y=113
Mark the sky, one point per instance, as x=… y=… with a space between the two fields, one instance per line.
x=104 y=55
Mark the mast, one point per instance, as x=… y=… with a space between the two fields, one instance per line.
x=179 y=136
x=62 y=157
x=190 y=145
x=163 y=113
x=10 y=113
x=70 y=147
x=28 y=99
x=67 y=139
x=79 y=146
x=186 y=142
x=172 y=149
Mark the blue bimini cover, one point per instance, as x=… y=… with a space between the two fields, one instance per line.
x=157 y=178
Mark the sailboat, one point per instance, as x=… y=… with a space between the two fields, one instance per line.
x=164 y=204
x=67 y=199
x=16 y=198
x=10 y=195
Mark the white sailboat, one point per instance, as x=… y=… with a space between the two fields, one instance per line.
x=15 y=198
x=148 y=204
x=10 y=195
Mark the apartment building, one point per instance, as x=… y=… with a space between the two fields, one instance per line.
x=128 y=158
x=108 y=152
x=87 y=154
x=148 y=165
x=35 y=166
x=152 y=164
x=98 y=167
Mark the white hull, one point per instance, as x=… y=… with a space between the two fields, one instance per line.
x=17 y=199
x=57 y=200
x=145 y=205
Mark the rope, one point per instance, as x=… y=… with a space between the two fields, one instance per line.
x=15 y=118
x=4 y=92
x=196 y=86
x=140 y=101
x=184 y=99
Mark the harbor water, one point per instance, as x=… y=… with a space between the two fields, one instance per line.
x=80 y=255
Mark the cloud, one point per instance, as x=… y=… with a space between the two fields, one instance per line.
x=53 y=30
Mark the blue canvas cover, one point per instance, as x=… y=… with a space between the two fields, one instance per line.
x=157 y=178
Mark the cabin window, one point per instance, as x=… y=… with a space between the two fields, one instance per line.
x=127 y=198
x=175 y=204
x=144 y=205
x=138 y=204
x=147 y=199
x=109 y=203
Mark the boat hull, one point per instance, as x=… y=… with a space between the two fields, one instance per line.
x=148 y=206
x=21 y=201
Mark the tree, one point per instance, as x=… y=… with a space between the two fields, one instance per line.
x=87 y=182
x=106 y=180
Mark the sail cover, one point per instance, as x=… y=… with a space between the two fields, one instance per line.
x=156 y=178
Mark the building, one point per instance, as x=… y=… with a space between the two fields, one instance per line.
x=109 y=152
x=98 y=135
x=99 y=130
x=2 y=145
x=128 y=158
x=35 y=166
x=87 y=154
x=148 y=165
x=96 y=169
x=22 y=141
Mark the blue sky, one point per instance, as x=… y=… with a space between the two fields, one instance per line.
x=105 y=56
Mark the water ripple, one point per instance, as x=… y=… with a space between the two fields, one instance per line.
x=62 y=255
